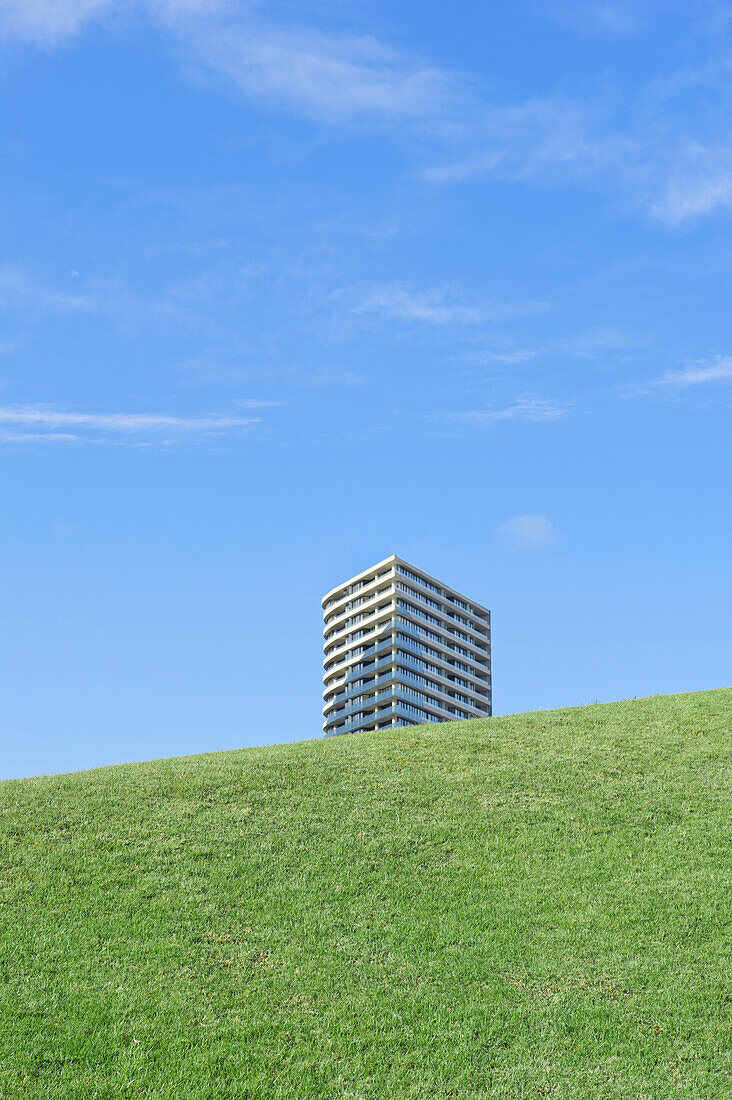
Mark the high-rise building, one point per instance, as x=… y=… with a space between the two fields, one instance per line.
x=403 y=648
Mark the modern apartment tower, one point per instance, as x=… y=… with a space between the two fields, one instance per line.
x=403 y=648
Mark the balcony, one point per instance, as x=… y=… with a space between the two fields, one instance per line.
x=399 y=670
x=404 y=713
x=399 y=694
x=386 y=577
x=361 y=689
x=456 y=631
x=453 y=604
x=418 y=631
x=339 y=634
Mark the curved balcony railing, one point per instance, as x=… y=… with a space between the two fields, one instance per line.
x=398 y=694
x=360 y=690
x=405 y=714
x=418 y=631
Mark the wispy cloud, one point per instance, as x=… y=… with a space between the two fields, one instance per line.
x=661 y=148
x=46 y=424
x=666 y=151
x=617 y=18
x=700 y=184
x=529 y=406
x=236 y=366
x=541 y=136
x=699 y=374
x=326 y=77
x=592 y=344
x=183 y=304
x=51 y=22
x=440 y=306
x=19 y=291
x=530 y=530
x=47 y=22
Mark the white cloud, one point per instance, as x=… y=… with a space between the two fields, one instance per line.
x=438 y=306
x=333 y=78
x=328 y=77
x=591 y=344
x=529 y=406
x=665 y=151
x=39 y=437
x=528 y=530
x=51 y=22
x=663 y=148
x=596 y=342
x=45 y=424
x=47 y=22
x=543 y=136
x=18 y=291
x=697 y=374
x=701 y=184
x=236 y=365
x=617 y=18
x=180 y=305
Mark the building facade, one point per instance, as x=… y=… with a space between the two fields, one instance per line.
x=402 y=648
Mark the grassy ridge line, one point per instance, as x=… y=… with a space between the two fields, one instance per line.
x=562 y=712
x=535 y=905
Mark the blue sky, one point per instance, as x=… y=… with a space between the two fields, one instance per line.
x=287 y=288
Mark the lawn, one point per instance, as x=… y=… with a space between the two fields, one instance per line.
x=530 y=906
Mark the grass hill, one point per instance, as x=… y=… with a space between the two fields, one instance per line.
x=530 y=906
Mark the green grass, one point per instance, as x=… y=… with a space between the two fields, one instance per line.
x=531 y=906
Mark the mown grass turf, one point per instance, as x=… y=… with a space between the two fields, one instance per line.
x=526 y=906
